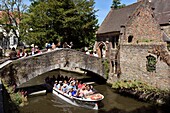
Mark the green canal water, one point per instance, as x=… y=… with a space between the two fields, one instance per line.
x=112 y=103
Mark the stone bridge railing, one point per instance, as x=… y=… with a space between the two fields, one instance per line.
x=24 y=69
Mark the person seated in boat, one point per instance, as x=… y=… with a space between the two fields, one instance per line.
x=55 y=84
x=79 y=85
x=72 y=85
x=59 y=85
x=81 y=92
x=70 y=79
x=85 y=91
x=65 y=83
x=83 y=85
x=72 y=92
x=64 y=88
x=89 y=91
x=92 y=89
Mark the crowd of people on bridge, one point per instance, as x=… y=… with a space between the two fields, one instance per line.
x=22 y=52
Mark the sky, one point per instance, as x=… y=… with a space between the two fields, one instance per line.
x=103 y=7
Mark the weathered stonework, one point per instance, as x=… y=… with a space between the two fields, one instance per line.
x=136 y=29
x=22 y=70
x=133 y=63
x=143 y=26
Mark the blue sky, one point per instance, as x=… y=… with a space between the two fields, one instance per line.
x=103 y=6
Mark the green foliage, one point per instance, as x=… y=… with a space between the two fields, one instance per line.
x=64 y=20
x=106 y=67
x=11 y=11
x=146 y=40
x=168 y=46
x=17 y=98
x=116 y=4
x=151 y=64
x=136 y=86
x=142 y=91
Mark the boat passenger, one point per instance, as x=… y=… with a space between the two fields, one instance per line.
x=80 y=85
x=59 y=85
x=56 y=83
x=81 y=93
x=72 y=85
x=89 y=91
x=64 y=88
x=72 y=92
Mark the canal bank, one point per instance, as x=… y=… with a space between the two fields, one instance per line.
x=142 y=91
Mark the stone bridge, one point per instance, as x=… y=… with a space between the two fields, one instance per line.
x=24 y=69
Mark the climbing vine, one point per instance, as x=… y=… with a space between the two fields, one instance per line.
x=151 y=63
x=106 y=68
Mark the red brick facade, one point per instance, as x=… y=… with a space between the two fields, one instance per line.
x=143 y=26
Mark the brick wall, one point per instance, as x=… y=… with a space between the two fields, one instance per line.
x=142 y=26
x=133 y=65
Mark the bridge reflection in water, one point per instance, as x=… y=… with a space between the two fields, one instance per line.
x=112 y=103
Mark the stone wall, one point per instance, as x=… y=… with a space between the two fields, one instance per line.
x=142 y=26
x=133 y=65
x=22 y=70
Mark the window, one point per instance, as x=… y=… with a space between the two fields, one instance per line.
x=151 y=63
x=130 y=38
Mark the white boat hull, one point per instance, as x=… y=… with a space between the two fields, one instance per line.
x=87 y=103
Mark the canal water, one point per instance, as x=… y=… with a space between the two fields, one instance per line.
x=112 y=103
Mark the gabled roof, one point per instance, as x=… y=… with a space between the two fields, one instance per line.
x=116 y=18
x=165 y=37
x=161 y=10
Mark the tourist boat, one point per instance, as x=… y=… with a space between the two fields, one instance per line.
x=92 y=101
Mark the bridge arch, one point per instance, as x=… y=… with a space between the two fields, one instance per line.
x=24 y=69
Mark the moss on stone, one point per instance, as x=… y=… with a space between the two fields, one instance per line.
x=142 y=91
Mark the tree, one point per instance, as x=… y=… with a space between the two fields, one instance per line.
x=117 y=4
x=64 y=20
x=12 y=11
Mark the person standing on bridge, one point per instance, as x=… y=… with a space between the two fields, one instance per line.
x=13 y=54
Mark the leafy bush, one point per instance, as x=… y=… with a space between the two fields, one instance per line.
x=18 y=98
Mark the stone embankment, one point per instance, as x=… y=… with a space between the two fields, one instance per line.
x=143 y=92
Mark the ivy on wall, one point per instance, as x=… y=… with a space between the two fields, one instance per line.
x=151 y=63
x=106 y=67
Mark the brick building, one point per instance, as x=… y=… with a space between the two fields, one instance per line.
x=127 y=34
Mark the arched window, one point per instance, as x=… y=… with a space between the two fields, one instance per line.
x=130 y=38
x=151 y=63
